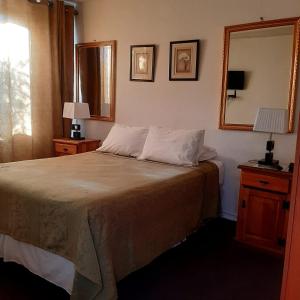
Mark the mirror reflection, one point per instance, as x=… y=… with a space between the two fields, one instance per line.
x=258 y=72
x=95 y=78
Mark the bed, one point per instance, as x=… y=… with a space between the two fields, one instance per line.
x=95 y=217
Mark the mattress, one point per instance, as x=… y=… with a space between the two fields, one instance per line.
x=61 y=269
x=54 y=268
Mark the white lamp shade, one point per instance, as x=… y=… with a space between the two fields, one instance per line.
x=76 y=110
x=273 y=120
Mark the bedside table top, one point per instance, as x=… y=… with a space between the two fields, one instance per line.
x=74 y=142
x=255 y=167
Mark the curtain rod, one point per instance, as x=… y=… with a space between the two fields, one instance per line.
x=72 y=3
x=50 y=2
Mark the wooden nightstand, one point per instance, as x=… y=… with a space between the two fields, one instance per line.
x=69 y=146
x=263 y=207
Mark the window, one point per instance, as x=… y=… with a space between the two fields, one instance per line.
x=15 y=100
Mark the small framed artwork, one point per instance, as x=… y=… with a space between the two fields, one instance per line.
x=184 y=60
x=142 y=62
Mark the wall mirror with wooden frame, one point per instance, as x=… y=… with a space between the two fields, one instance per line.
x=259 y=70
x=95 y=78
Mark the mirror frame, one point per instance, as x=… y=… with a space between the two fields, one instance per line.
x=95 y=44
x=293 y=73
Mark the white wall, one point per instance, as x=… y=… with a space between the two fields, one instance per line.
x=182 y=104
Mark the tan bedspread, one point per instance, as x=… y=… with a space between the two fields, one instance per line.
x=109 y=215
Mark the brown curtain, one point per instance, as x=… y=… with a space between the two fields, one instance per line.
x=36 y=77
x=30 y=109
x=62 y=41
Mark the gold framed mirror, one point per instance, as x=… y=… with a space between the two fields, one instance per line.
x=95 y=78
x=259 y=70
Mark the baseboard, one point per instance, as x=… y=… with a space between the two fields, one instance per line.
x=229 y=216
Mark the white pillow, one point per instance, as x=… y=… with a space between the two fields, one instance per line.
x=125 y=140
x=207 y=153
x=180 y=147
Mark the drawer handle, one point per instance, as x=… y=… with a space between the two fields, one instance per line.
x=264 y=182
x=65 y=149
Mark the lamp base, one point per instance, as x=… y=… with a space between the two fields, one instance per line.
x=268 y=160
x=77 y=138
x=75 y=132
x=263 y=161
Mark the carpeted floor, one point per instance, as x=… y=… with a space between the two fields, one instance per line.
x=210 y=265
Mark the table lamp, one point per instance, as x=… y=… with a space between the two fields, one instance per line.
x=76 y=111
x=271 y=120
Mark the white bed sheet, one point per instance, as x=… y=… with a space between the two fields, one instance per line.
x=221 y=168
x=47 y=265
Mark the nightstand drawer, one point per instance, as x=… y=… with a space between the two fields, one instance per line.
x=265 y=182
x=65 y=148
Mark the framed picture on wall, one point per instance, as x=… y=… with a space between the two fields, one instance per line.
x=184 y=60
x=142 y=62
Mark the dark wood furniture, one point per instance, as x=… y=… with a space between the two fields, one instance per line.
x=290 y=289
x=263 y=207
x=68 y=146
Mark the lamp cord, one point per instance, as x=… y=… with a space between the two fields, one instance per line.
x=271 y=135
